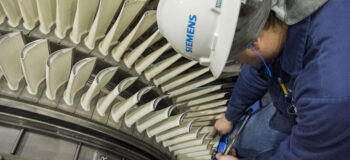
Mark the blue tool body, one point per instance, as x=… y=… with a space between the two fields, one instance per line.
x=224 y=140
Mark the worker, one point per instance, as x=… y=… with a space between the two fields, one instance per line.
x=297 y=50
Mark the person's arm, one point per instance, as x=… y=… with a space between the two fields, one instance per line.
x=249 y=88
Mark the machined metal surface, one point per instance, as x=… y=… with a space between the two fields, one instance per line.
x=66 y=130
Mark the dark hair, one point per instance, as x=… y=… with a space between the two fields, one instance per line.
x=272 y=21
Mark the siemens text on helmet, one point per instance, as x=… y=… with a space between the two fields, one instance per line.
x=190 y=32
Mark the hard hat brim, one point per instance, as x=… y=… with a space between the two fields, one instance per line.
x=224 y=34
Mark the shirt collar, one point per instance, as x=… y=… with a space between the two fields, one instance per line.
x=294 y=49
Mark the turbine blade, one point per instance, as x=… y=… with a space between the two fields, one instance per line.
x=206 y=112
x=171 y=122
x=29 y=13
x=132 y=116
x=127 y=14
x=84 y=16
x=47 y=14
x=2 y=14
x=205 y=99
x=104 y=102
x=131 y=57
x=1 y=74
x=153 y=118
x=161 y=66
x=11 y=46
x=101 y=79
x=192 y=149
x=207 y=105
x=192 y=135
x=191 y=85
x=205 y=118
x=65 y=13
x=33 y=59
x=79 y=75
x=183 y=79
x=188 y=144
x=185 y=127
x=120 y=109
x=172 y=72
x=199 y=92
x=144 y=63
x=11 y=9
x=105 y=13
x=146 y=21
x=58 y=68
x=199 y=155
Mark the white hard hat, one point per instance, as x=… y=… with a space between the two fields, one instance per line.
x=202 y=30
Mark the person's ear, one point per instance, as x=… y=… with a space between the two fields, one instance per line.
x=257 y=43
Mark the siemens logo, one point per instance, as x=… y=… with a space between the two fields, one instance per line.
x=191 y=26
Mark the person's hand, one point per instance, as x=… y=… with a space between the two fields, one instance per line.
x=223 y=125
x=221 y=156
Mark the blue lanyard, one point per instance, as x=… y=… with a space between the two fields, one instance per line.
x=262 y=58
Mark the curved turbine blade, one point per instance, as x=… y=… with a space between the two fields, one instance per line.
x=128 y=13
x=80 y=74
x=199 y=92
x=144 y=63
x=104 y=102
x=153 y=118
x=120 y=109
x=101 y=79
x=58 y=68
x=188 y=144
x=183 y=79
x=132 y=56
x=29 y=13
x=64 y=16
x=47 y=14
x=192 y=149
x=12 y=12
x=205 y=118
x=207 y=105
x=191 y=85
x=1 y=74
x=206 y=112
x=33 y=59
x=193 y=134
x=146 y=21
x=84 y=16
x=104 y=16
x=205 y=99
x=185 y=127
x=172 y=72
x=132 y=116
x=171 y=122
x=161 y=66
x=201 y=157
x=2 y=14
x=11 y=46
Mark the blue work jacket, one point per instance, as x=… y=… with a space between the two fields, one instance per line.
x=315 y=67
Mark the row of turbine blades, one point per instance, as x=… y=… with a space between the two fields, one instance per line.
x=91 y=22
x=184 y=132
x=124 y=31
x=100 y=25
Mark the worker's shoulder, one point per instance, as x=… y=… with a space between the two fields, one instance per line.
x=326 y=75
